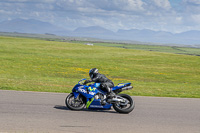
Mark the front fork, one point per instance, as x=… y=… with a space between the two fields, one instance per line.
x=76 y=95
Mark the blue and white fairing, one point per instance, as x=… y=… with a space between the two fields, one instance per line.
x=120 y=85
x=86 y=91
x=90 y=91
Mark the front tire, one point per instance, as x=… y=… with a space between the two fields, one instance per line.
x=74 y=104
x=124 y=108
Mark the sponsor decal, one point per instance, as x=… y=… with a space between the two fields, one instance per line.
x=89 y=102
x=120 y=85
x=91 y=89
x=91 y=93
x=82 y=90
x=96 y=106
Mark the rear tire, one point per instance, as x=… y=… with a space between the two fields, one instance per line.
x=74 y=104
x=123 y=108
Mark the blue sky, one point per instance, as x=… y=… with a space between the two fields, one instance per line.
x=167 y=15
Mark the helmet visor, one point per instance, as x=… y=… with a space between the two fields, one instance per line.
x=91 y=75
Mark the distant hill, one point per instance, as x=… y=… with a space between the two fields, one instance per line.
x=145 y=35
x=30 y=26
x=190 y=37
x=94 y=31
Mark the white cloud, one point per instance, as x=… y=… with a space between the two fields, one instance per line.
x=5 y=12
x=192 y=6
x=193 y=1
x=165 y=4
x=131 y=5
x=178 y=20
x=17 y=0
x=110 y=14
x=196 y=18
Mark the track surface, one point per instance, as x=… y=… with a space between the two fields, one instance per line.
x=46 y=112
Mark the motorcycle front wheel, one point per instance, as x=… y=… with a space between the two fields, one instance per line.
x=74 y=104
x=121 y=108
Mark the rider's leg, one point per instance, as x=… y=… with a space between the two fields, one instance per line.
x=107 y=86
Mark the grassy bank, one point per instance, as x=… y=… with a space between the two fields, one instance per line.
x=36 y=65
x=156 y=48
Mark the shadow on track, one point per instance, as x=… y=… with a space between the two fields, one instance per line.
x=87 y=110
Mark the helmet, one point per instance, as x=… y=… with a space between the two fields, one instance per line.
x=93 y=72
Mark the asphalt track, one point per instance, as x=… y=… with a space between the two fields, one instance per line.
x=46 y=112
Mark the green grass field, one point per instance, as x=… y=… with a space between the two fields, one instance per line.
x=156 y=48
x=38 y=65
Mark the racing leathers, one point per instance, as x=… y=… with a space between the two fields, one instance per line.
x=105 y=83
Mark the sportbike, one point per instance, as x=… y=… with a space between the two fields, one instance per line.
x=93 y=97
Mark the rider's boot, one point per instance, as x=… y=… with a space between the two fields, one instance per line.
x=103 y=100
x=110 y=95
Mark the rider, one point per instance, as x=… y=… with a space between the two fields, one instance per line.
x=105 y=83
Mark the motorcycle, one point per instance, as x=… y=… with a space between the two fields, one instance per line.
x=93 y=97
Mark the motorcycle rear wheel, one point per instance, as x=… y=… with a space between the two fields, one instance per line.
x=74 y=104
x=124 y=108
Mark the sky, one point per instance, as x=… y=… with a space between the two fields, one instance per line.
x=160 y=15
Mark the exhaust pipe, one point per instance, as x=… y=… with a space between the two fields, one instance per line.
x=127 y=88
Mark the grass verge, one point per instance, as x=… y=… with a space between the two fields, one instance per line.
x=38 y=65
